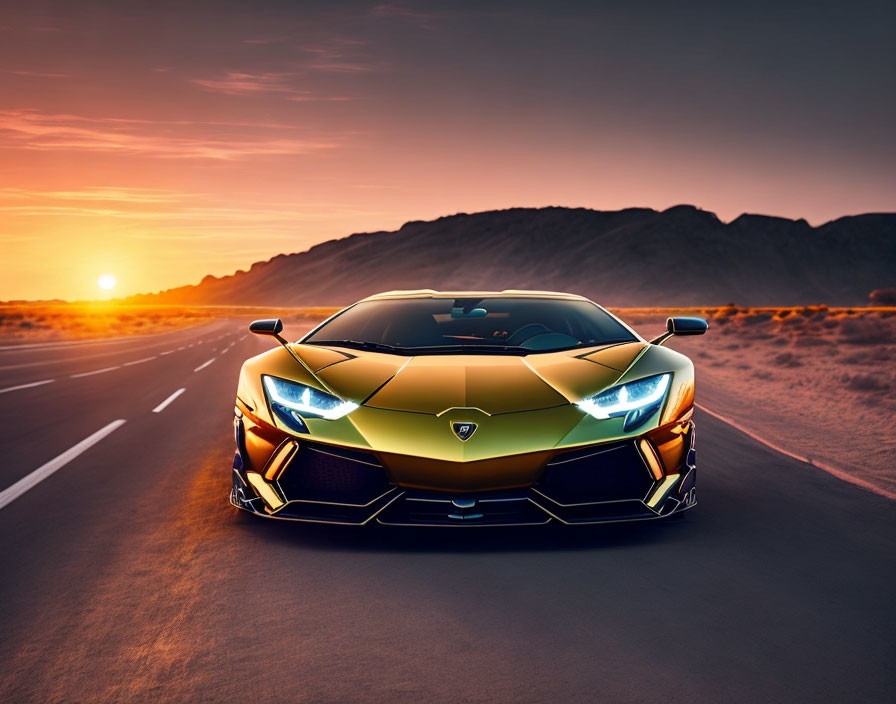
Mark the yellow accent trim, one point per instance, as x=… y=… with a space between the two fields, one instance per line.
x=662 y=490
x=652 y=460
x=264 y=490
x=278 y=460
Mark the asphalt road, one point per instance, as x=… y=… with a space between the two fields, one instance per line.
x=126 y=576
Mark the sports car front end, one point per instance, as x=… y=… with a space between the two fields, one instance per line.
x=424 y=409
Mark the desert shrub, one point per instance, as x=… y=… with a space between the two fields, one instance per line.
x=865 y=382
x=763 y=374
x=755 y=318
x=811 y=341
x=727 y=311
x=869 y=356
x=882 y=297
x=865 y=331
x=786 y=359
x=783 y=313
x=793 y=322
x=813 y=311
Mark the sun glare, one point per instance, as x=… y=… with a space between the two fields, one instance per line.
x=107 y=282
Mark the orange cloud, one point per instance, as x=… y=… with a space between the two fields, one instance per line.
x=235 y=83
x=37 y=131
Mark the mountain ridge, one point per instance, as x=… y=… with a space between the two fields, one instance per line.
x=632 y=257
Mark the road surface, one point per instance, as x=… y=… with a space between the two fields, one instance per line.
x=126 y=576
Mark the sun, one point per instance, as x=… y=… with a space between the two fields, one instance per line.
x=107 y=282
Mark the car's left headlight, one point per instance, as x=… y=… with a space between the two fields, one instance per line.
x=639 y=396
x=294 y=399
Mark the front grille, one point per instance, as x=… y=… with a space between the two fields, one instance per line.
x=610 y=473
x=336 y=475
x=437 y=509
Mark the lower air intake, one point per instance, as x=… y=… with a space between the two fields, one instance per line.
x=336 y=475
x=611 y=473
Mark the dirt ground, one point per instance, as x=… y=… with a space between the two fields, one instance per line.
x=819 y=382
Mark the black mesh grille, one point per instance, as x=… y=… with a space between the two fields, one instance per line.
x=322 y=473
x=613 y=473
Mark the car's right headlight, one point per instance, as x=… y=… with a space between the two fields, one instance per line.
x=639 y=396
x=291 y=402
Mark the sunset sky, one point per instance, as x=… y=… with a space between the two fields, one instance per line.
x=159 y=142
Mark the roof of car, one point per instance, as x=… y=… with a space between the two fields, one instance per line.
x=508 y=293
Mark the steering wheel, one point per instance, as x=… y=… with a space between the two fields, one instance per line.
x=524 y=333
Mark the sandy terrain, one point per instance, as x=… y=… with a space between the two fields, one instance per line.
x=22 y=323
x=816 y=381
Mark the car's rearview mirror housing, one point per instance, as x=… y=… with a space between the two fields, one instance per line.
x=686 y=326
x=268 y=326
x=681 y=326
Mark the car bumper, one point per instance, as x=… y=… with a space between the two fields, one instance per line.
x=604 y=483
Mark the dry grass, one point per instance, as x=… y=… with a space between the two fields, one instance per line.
x=48 y=322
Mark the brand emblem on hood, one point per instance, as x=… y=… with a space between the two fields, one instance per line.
x=464 y=430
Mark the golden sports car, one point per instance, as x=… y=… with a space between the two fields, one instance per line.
x=467 y=409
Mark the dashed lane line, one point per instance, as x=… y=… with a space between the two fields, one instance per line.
x=204 y=365
x=38 y=475
x=137 y=361
x=95 y=371
x=26 y=386
x=164 y=404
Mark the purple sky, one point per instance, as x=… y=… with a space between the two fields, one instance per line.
x=164 y=141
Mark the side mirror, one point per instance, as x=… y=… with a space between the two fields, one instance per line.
x=269 y=326
x=273 y=327
x=686 y=326
x=681 y=326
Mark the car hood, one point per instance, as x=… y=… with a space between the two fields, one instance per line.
x=492 y=384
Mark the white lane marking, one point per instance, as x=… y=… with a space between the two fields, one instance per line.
x=26 y=386
x=44 y=471
x=164 y=404
x=162 y=354
x=95 y=371
x=138 y=361
x=204 y=364
x=839 y=473
x=180 y=348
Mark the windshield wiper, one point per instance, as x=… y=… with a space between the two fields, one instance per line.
x=359 y=344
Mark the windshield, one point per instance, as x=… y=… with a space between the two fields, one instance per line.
x=471 y=325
